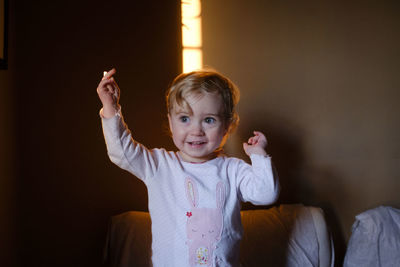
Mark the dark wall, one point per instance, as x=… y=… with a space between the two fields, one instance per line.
x=66 y=189
x=8 y=205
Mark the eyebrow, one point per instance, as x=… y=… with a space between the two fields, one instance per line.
x=182 y=112
x=213 y=114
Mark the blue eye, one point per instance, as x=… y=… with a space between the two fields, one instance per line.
x=210 y=120
x=184 y=118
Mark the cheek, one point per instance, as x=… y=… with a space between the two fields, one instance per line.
x=177 y=134
x=172 y=128
x=218 y=134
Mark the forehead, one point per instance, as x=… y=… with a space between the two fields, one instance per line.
x=210 y=103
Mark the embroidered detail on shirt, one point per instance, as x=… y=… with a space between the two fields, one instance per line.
x=204 y=225
x=202 y=256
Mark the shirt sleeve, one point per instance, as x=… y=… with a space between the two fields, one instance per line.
x=258 y=183
x=124 y=151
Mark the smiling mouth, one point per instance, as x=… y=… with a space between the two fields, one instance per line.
x=196 y=143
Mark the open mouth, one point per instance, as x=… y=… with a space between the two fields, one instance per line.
x=196 y=143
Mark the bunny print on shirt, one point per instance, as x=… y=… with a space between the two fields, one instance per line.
x=204 y=225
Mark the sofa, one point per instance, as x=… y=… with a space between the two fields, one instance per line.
x=286 y=235
x=375 y=239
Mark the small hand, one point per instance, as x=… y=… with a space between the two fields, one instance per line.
x=256 y=144
x=109 y=92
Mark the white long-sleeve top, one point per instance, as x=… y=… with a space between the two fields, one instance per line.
x=194 y=207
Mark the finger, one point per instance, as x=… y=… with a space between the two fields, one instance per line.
x=257 y=133
x=260 y=135
x=115 y=85
x=109 y=74
x=104 y=82
x=101 y=87
x=250 y=141
x=110 y=88
x=256 y=139
x=104 y=85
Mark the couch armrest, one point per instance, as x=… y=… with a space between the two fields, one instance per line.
x=288 y=235
x=325 y=241
x=129 y=240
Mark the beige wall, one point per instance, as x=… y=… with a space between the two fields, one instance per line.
x=322 y=80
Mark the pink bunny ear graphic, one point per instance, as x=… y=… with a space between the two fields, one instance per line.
x=191 y=192
x=220 y=195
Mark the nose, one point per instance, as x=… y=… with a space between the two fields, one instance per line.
x=197 y=129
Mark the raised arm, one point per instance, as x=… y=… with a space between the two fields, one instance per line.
x=122 y=149
x=258 y=183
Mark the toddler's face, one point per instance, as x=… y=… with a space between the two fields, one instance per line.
x=198 y=134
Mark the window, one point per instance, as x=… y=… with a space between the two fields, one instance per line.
x=192 y=53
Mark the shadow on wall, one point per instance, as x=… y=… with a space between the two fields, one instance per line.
x=285 y=145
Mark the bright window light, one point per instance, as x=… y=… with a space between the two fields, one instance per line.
x=191 y=35
x=192 y=59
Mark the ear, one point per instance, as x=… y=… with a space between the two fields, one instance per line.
x=220 y=189
x=191 y=192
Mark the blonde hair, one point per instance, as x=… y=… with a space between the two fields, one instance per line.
x=205 y=81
